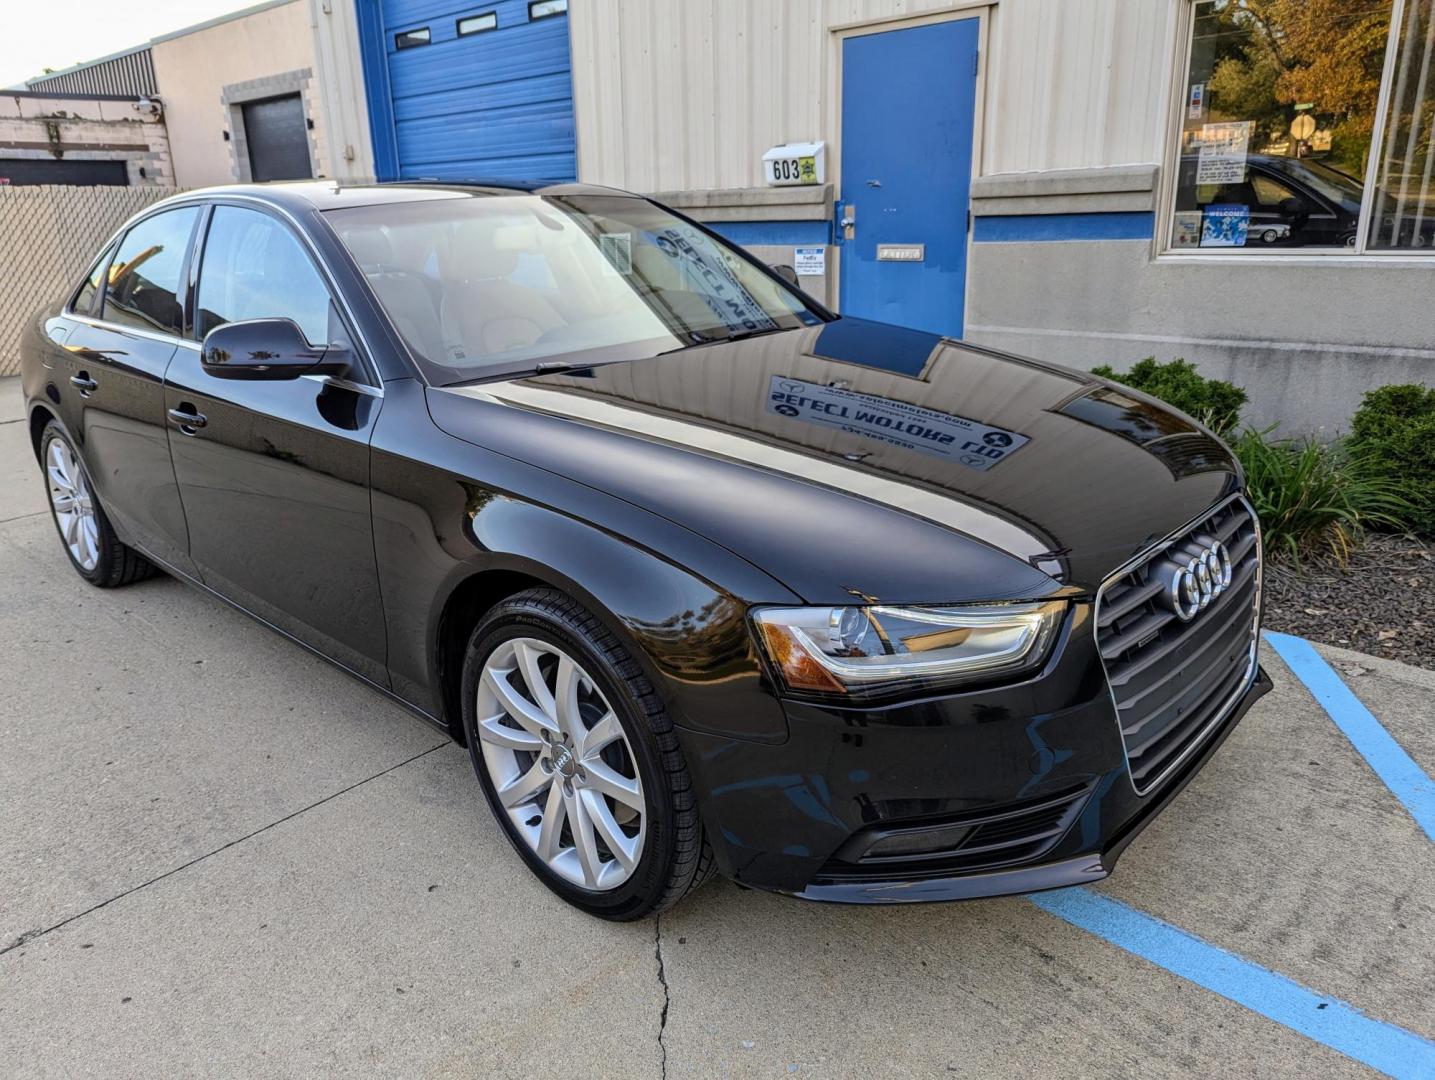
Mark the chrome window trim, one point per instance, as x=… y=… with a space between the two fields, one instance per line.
x=127 y=328
x=1252 y=664
x=153 y=210
x=194 y=346
x=366 y=351
x=335 y=293
x=345 y=384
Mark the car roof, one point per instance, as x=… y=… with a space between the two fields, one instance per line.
x=333 y=195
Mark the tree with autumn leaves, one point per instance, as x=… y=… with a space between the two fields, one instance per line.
x=1271 y=55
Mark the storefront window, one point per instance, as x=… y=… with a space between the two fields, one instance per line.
x=1403 y=216
x=1279 y=122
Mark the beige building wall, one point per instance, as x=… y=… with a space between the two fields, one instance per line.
x=684 y=96
x=339 y=72
x=204 y=74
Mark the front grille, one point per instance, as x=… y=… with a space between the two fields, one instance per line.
x=1001 y=835
x=1172 y=681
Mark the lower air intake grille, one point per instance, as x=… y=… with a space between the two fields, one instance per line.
x=1177 y=636
x=1001 y=835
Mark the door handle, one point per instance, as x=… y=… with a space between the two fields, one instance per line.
x=188 y=420
x=84 y=384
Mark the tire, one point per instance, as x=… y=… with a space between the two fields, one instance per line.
x=533 y=632
x=96 y=553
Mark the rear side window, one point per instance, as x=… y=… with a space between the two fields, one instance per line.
x=85 y=298
x=254 y=268
x=144 y=279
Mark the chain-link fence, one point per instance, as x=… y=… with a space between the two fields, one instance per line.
x=49 y=233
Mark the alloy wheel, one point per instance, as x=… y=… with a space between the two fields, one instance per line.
x=73 y=505
x=561 y=764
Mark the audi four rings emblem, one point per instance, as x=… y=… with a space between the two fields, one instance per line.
x=1197 y=578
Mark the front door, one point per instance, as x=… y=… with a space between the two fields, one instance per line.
x=908 y=109
x=275 y=475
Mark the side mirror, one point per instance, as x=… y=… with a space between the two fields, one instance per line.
x=267 y=349
x=787 y=273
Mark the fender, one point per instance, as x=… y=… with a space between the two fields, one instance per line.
x=445 y=513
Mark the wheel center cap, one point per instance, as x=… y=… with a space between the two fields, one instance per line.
x=564 y=762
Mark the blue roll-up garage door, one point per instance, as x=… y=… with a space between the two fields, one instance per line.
x=470 y=91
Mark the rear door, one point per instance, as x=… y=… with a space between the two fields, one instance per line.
x=908 y=111
x=275 y=475
x=116 y=359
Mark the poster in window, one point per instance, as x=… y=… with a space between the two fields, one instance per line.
x=1223 y=153
x=1225 y=225
x=1187 y=232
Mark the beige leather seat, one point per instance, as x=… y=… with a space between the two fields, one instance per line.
x=483 y=313
x=404 y=294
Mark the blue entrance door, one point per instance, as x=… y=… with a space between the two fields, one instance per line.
x=463 y=90
x=908 y=105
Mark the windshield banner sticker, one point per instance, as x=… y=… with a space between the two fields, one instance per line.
x=911 y=427
x=714 y=281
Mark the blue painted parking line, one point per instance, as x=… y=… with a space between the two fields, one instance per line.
x=1397 y=769
x=1327 y=1020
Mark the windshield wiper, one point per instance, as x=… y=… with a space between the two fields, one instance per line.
x=741 y=335
x=736 y=335
x=543 y=367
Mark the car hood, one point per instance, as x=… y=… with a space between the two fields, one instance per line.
x=859 y=459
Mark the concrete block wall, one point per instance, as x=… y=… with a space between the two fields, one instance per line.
x=236 y=95
x=89 y=130
x=59 y=229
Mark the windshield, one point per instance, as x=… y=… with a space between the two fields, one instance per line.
x=1332 y=183
x=483 y=285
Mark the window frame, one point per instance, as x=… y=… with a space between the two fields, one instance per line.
x=101 y=267
x=550 y=15
x=97 y=305
x=364 y=366
x=459 y=31
x=1180 y=76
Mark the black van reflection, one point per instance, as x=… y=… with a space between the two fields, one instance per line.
x=1293 y=202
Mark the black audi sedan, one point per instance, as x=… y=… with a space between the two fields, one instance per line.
x=704 y=576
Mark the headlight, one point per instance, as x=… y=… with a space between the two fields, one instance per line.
x=861 y=651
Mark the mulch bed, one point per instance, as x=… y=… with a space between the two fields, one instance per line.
x=1381 y=603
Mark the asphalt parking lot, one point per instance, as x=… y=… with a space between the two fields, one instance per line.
x=221 y=856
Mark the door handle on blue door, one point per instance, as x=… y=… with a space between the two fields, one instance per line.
x=84 y=384
x=187 y=418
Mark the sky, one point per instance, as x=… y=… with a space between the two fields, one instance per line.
x=60 y=33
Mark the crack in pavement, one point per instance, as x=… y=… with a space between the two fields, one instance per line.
x=22 y=517
x=31 y=935
x=667 y=998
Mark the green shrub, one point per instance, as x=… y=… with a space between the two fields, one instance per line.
x=1394 y=429
x=1315 y=498
x=1214 y=403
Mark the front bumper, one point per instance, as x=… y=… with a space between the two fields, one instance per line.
x=785 y=817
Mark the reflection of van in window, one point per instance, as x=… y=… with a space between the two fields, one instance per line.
x=1294 y=202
